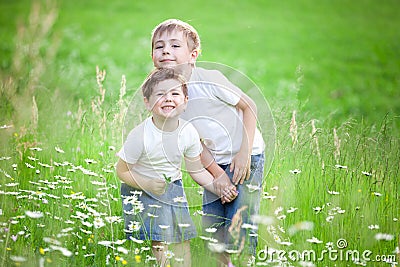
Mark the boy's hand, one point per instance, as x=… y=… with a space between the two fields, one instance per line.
x=241 y=168
x=229 y=194
x=221 y=182
x=155 y=186
x=224 y=188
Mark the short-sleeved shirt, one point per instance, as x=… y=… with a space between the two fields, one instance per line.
x=156 y=153
x=212 y=110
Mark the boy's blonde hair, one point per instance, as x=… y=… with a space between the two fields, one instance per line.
x=159 y=75
x=190 y=33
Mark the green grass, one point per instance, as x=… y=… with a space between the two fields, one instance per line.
x=336 y=64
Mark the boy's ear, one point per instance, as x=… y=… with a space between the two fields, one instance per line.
x=146 y=103
x=194 y=55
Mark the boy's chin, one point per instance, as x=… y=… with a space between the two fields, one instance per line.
x=169 y=65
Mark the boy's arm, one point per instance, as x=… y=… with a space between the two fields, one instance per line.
x=221 y=179
x=241 y=161
x=126 y=174
x=205 y=179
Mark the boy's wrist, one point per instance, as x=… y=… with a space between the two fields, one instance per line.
x=215 y=170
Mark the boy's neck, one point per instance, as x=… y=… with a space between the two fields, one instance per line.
x=166 y=124
x=185 y=70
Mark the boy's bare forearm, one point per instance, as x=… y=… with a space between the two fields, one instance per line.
x=128 y=176
x=207 y=160
x=249 y=125
x=204 y=179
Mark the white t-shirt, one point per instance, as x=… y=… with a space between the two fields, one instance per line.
x=156 y=153
x=212 y=110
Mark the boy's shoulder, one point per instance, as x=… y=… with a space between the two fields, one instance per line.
x=209 y=75
x=140 y=128
x=185 y=125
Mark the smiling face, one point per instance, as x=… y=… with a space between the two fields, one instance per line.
x=171 y=49
x=167 y=100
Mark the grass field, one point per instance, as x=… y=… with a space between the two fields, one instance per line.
x=330 y=72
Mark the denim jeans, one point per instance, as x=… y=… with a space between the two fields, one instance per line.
x=221 y=216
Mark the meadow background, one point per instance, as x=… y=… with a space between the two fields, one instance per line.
x=330 y=71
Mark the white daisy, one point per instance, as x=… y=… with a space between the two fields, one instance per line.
x=314 y=240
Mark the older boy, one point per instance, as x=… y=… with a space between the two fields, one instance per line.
x=225 y=118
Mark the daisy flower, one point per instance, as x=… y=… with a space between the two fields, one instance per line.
x=34 y=214
x=340 y=166
x=291 y=210
x=136 y=240
x=314 y=240
x=169 y=254
x=59 y=150
x=295 y=171
x=211 y=230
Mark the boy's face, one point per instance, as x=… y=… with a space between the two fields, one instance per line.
x=171 y=49
x=167 y=99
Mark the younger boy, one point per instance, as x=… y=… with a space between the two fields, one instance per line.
x=150 y=157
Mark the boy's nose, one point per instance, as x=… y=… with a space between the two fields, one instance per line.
x=165 y=50
x=168 y=97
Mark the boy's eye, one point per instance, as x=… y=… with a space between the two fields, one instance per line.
x=176 y=93
x=158 y=47
x=176 y=45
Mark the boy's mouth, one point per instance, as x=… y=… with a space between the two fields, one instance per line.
x=167 y=108
x=166 y=60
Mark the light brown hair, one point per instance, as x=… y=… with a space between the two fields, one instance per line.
x=170 y=25
x=158 y=75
